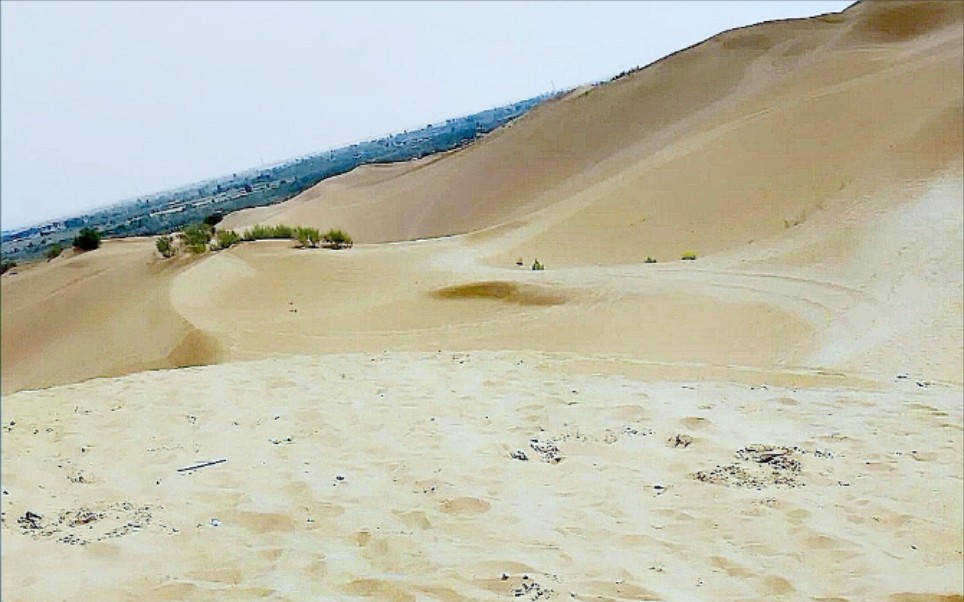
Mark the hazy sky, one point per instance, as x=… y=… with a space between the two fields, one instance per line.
x=100 y=102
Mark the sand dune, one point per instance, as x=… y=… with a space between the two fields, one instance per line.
x=709 y=148
x=102 y=313
x=779 y=419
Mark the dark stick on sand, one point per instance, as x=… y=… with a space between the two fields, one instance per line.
x=201 y=465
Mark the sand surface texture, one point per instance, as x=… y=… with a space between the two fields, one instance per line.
x=420 y=418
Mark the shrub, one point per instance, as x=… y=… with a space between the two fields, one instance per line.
x=7 y=265
x=87 y=239
x=650 y=260
x=688 y=256
x=165 y=246
x=538 y=266
x=54 y=251
x=196 y=237
x=227 y=238
x=307 y=237
x=625 y=73
x=337 y=238
x=268 y=232
x=519 y=261
x=214 y=219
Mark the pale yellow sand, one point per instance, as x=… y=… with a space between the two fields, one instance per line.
x=815 y=168
x=433 y=507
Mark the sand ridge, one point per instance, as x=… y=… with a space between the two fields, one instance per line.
x=102 y=313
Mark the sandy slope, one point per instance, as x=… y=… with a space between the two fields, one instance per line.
x=815 y=167
x=102 y=313
x=705 y=149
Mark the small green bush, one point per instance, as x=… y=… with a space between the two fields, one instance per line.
x=337 y=238
x=538 y=266
x=688 y=256
x=87 y=239
x=196 y=237
x=165 y=246
x=650 y=260
x=54 y=252
x=268 y=232
x=7 y=265
x=226 y=239
x=307 y=237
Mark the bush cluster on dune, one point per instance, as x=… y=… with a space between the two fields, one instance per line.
x=54 y=252
x=201 y=237
x=7 y=265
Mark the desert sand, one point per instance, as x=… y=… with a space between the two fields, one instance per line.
x=421 y=418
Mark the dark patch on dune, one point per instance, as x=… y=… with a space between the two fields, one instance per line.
x=747 y=41
x=926 y=598
x=508 y=292
x=899 y=22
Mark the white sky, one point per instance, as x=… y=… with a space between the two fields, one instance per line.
x=104 y=101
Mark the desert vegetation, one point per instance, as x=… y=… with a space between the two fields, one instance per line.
x=307 y=237
x=195 y=238
x=54 y=251
x=224 y=239
x=165 y=246
x=214 y=219
x=87 y=239
x=688 y=256
x=538 y=266
x=336 y=238
x=201 y=237
x=259 y=232
x=6 y=265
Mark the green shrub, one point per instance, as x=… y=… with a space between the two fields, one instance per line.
x=7 y=265
x=165 y=246
x=87 y=239
x=54 y=252
x=214 y=219
x=650 y=260
x=268 y=232
x=307 y=237
x=337 y=238
x=538 y=266
x=196 y=237
x=688 y=256
x=227 y=238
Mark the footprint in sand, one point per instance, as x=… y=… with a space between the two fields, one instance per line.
x=465 y=506
x=695 y=422
x=923 y=456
